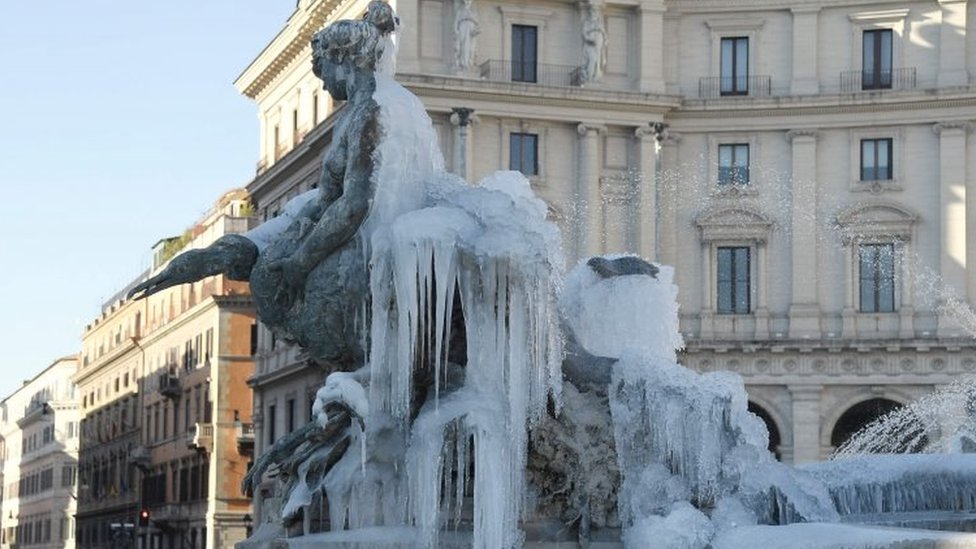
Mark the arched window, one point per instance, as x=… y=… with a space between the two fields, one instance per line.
x=774 y=436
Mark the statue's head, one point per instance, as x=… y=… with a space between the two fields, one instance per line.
x=350 y=46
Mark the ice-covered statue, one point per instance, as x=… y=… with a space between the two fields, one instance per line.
x=431 y=301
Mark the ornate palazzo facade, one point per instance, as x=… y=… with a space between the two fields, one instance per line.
x=806 y=166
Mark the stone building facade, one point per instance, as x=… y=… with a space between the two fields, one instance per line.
x=804 y=165
x=166 y=411
x=39 y=428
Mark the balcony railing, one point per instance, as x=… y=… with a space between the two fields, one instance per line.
x=895 y=79
x=245 y=438
x=200 y=437
x=140 y=457
x=169 y=386
x=753 y=85
x=522 y=72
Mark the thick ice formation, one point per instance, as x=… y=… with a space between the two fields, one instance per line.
x=877 y=484
x=434 y=240
x=681 y=437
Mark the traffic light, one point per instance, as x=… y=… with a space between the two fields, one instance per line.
x=144 y=517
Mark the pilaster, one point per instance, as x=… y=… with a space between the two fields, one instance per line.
x=952 y=198
x=408 y=40
x=805 y=80
x=804 y=309
x=651 y=46
x=952 y=44
x=806 y=422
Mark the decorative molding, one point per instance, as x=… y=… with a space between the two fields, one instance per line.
x=463 y=116
x=725 y=24
x=886 y=221
x=880 y=16
x=793 y=134
x=583 y=128
x=950 y=125
x=734 y=224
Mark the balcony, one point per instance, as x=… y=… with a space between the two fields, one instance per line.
x=541 y=74
x=140 y=457
x=753 y=85
x=169 y=386
x=200 y=437
x=895 y=79
x=245 y=439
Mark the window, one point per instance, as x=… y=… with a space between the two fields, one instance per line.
x=315 y=108
x=733 y=280
x=876 y=159
x=290 y=410
x=271 y=425
x=524 y=153
x=735 y=66
x=877 y=277
x=733 y=164
x=524 y=53
x=876 y=59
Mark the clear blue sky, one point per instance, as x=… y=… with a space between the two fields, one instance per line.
x=120 y=125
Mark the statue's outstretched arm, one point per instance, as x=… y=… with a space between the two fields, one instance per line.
x=232 y=255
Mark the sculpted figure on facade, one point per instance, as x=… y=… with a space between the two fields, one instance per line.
x=594 y=41
x=466 y=29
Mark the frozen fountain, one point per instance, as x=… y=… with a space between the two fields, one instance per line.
x=477 y=397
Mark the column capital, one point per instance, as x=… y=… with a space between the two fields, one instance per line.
x=645 y=131
x=805 y=133
x=462 y=116
x=584 y=128
x=950 y=125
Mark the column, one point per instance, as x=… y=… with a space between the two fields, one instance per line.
x=668 y=187
x=651 y=46
x=805 y=77
x=646 y=220
x=805 y=305
x=806 y=422
x=408 y=38
x=952 y=193
x=952 y=44
x=590 y=220
x=461 y=119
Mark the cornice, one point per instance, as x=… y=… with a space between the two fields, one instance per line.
x=859 y=362
x=287 y=46
x=698 y=6
x=830 y=104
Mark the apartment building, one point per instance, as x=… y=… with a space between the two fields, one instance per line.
x=166 y=411
x=804 y=165
x=39 y=427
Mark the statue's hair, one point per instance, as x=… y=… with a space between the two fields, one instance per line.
x=358 y=41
